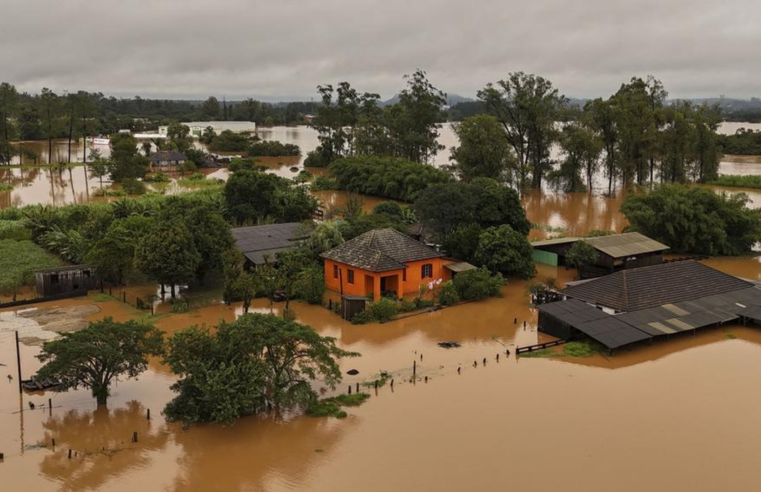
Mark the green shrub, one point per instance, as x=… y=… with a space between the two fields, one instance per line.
x=156 y=178
x=197 y=177
x=388 y=208
x=383 y=310
x=241 y=165
x=584 y=348
x=478 y=284
x=14 y=229
x=323 y=183
x=133 y=187
x=273 y=148
x=362 y=318
x=448 y=294
x=315 y=159
x=179 y=305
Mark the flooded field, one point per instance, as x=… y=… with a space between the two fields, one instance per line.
x=680 y=414
x=496 y=425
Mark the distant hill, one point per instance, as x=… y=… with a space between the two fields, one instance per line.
x=452 y=99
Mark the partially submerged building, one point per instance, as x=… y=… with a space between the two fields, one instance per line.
x=65 y=280
x=167 y=160
x=614 y=252
x=261 y=244
x=640 y=304
x=385 y=261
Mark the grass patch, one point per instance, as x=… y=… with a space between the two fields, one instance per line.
x=331 y=407
x=586 y=348
x=103 y=297
x=741 y=181
x=5 y=187
x=200 y=183
x=731 y=336
x=541 y=354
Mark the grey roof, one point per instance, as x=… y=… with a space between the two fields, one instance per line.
x=257 y=241
x=752 y=312
x=460 y=266
x=602 y=327
x=168 y=155
x=614 y=245
x=381 y=250
x=624 y=245
x=696 y=313
x=646 y=287
x=557 y=240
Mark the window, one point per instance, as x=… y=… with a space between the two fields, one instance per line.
x=350 y=276
x=427 y=271
x=335 y=271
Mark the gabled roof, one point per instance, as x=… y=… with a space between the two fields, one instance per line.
x=646 y=287
x=257 y=241
x=168 y=155
x=381 y=250
x=628 y=244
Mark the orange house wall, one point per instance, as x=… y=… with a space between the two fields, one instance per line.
x=361 y=286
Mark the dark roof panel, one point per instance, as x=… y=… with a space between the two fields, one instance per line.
x=257 y=241
x=667 y=283
x=381 y=250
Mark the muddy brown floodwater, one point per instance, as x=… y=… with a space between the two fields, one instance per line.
x=678 y=415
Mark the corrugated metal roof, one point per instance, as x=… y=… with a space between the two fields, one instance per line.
x=461 y=266
x=625 y=245
x=557 y=240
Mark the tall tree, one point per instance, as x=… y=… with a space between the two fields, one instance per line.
x=527 y=105
x=601 y=116
x=95 y=356
x=483 y=150
x=168 y=255
x=581 y=149
x=50 y=108
x=210 y=109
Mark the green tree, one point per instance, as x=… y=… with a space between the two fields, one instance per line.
x=210 y=109
x=50 y=109
x=255 y=364
x=695 y=220
x=240 y=283
x=504 y=250
x=483 y=201
x=483 y=150
x=581 y=153
x=580 y=255
x=168 y=254
x=126 y=161
x=252 y=196
x=179 y=136
x=601 y=116
x=9 y=99
x=528 y=106
x=93 y=357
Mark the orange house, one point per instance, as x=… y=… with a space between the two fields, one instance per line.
x=381 y=261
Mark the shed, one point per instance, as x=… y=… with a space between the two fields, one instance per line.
x=167 y=159
x=261 y=244
x=62 y=280
x=615 y=252
x=352 y=305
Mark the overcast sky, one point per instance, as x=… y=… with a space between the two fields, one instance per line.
x=281 y=49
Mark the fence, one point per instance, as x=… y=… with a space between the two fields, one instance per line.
x=34 y=300
x=540 y=346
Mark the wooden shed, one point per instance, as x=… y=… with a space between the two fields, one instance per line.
x=352 y=305
x=62 y=280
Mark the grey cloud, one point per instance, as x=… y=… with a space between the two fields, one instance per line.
x=284 y=48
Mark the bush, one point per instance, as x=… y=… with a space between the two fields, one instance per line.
x=14 y=229
x=229 y=141
x=581 y=254
x=505 y=250
x=324 y=183
x=383 y=310
x=133 y=187
x=197 y=177
x=388 y=208
x=273 y=148
x=694 y=220
x=388 y=177
x=315 y=159
x=241 y=165
x=478 y=284
x=156 y=178
x=448 y=294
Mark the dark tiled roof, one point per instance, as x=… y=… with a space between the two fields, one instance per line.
x=168 y=155
x=646 y=287
x=257 y=241
x=381 y=250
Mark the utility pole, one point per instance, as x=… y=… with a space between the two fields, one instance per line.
x=18 y=364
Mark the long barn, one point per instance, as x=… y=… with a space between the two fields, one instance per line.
x=636 y=305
